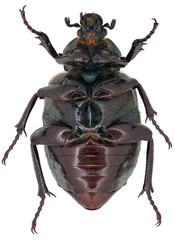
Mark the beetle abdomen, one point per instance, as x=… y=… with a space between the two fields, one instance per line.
x=92 y=173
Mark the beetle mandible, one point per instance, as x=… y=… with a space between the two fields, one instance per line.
x=91 y=122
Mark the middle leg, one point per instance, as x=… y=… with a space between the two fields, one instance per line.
x=113 y=88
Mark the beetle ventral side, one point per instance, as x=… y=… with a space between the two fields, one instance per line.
x=91 y=122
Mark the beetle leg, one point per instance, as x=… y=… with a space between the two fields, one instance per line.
x=45 y=42
x=21 y=126
x=52 y=136
x=150 y=113
x=53 y=92
x=147 y=186
x=41 y=184
x=22 y=123
x=10 y=148
x=128 y=133
x=62 y=93
x=115 y=88
x=138 y=43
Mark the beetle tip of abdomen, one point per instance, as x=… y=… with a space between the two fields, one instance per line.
x=92 y=200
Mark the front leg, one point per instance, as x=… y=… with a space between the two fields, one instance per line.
x=45 y=42
x=115 y=87
x=138 y=44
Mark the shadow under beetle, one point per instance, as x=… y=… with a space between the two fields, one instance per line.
x=91 y=122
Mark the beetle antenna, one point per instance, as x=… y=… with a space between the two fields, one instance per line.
x=113 y=22
x=67 y=21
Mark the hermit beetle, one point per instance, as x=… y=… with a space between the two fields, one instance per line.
x=91 y=122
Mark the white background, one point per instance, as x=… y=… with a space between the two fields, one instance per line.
x=26 y=66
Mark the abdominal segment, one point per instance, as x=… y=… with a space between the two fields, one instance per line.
x=92 y=173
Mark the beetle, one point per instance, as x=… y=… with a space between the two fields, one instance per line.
x=91 y=121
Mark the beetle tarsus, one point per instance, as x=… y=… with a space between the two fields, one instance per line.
x=151 y=113
x=162 y=133
x=33 y=228
x=147 y=187
x=155 y=209
x=169 y=144
x=25 y=21
x=152 y=31
x=45 y=42
x=158 y=223
x=153 y=205
x=138 y=43
x=11 y=147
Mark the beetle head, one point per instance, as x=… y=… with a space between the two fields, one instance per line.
x=92 y=30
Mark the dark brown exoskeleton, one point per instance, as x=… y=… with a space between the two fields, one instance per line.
x=92 y=128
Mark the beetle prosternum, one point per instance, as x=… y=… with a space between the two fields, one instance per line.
x=92 y=110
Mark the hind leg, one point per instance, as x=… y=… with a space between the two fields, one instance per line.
x=128 y=133
x=42 y=187
x=54 y=135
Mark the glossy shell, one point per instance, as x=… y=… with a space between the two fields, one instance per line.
x=91 y=171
